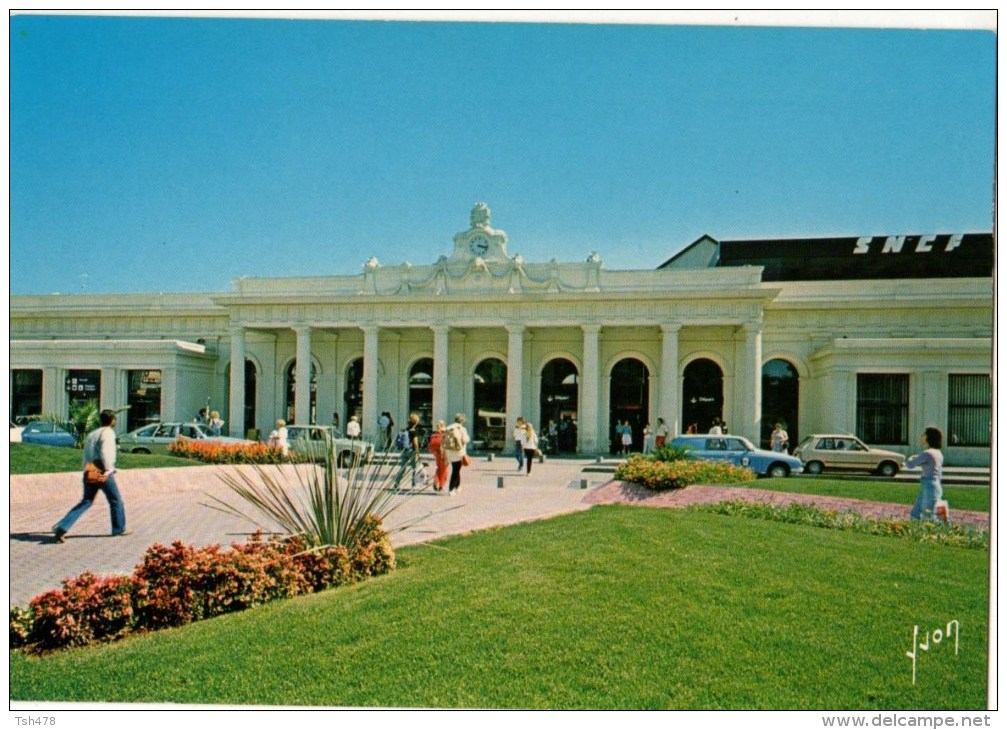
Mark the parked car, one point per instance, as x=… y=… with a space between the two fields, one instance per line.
x=842 y=451
x=155 y=438
x=739 y=451
x=313 y=437
x=47 y=433
x=15 y=433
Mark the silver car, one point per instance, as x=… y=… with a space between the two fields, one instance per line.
x=155 y=438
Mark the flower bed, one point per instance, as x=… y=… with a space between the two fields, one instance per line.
x=212 y=452
x=662 y=475
x=178 y=584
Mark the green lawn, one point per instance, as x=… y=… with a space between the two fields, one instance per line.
x=616 y=607
x=37 y=459
x=877 y=490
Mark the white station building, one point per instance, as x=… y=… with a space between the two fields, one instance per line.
x=876 y=336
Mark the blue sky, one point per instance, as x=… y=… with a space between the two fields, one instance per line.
x=177 y=154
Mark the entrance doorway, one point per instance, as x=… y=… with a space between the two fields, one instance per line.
x=292 y=393
x=702 y=395
x=489 y=396
x=421 y=390
x=780 y=398
x=354 y=394
x=558 y=406
x=629 y=399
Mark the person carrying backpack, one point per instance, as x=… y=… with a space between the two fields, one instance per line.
x=456 y=439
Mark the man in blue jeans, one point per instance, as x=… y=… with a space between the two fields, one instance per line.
x=100 y=449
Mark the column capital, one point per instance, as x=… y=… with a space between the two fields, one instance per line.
x=590 y=329
x=515 y=329
x=370 y=329
x=671 y=329
x=440 y=329
x=301 y=329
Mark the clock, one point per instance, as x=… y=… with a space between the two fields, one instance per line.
x=479 y=245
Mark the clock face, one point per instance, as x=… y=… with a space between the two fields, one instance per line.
x=479 y=245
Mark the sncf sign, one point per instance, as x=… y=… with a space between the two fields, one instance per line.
x=908 y=244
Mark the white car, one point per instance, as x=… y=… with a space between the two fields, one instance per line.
x=347 y=451
x=845 y=452
x=155 y=438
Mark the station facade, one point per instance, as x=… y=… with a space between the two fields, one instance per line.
x=877 y=336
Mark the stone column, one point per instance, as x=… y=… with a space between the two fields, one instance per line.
x=302 y=376
x=236 y=394
x=441 y=404
x=751 y=408
x=515 y=377
x=587 y=418
x=370 y=405
x=669 y=409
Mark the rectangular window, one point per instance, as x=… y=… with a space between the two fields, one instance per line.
x=143 y=399
x=969 y=410
x=883 y=408
x=25 y=395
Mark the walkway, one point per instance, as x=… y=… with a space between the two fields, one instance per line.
x=165 y=505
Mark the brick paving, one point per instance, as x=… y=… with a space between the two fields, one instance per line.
x=626 y=493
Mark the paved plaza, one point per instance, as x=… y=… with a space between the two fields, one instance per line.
x=165 y=505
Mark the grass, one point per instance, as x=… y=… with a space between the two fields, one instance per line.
x=617 y=607
x=879 y=490
x=38 y=459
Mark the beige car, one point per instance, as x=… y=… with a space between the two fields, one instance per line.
x=843 y=452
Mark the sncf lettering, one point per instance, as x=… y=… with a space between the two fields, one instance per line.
x=924 y=244
x=893 y=244
x=863 y=245
x=954 y=242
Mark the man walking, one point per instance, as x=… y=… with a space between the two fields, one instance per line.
x=100 y=450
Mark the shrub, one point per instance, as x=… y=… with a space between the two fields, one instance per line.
x=919 y=530
x=87 y=609
x=663 y=475
x=670 y=453
x=20 y=626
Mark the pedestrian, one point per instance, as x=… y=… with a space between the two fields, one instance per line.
x=386 y=423
x=99 y=453
x=456 y=439
x=203 y=417
x=278 y=437
x=529 y=444
x=335 y=424
x=779 y=439
x=519 y=432
x=661 y=436
x=353 y=428
x=411 y=453
x=627 y=437
x=216 y=424
x=436 y=446
x=716 y=429
x=931 y=461
x=648 y=438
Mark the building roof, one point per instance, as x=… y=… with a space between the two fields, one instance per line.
x=866 y=257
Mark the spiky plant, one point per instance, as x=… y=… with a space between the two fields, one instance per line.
x=325 y=504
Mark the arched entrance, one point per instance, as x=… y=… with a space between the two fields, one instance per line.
x=780 y=398
x=702 y=394
x=292 y=390
x=354 y=393
x=629 y=400
x=421 y=390
x=489 y=401
x=250 y=392
x=558 y=406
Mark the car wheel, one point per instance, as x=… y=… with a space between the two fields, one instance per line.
x=888 y=469
x=345 y=459
x=777 y=471
x=141 y=451
x=814 y=467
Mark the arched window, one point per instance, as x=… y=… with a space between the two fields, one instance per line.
x=292 y=391
x=421 y=390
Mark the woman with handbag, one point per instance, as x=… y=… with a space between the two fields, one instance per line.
x=456 y=439
x=99 y=475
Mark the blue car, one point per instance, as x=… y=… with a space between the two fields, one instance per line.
x=739 y=451
x=47 y=433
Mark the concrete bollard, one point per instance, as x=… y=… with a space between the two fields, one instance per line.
x=490 y=457
x=583 y=483
x=500 y=482
x=541 y=457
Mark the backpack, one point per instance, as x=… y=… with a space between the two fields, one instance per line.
x=452 y=442
x=402 y=440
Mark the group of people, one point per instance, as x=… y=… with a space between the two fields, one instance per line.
x=449 y=446
x=211 y=420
